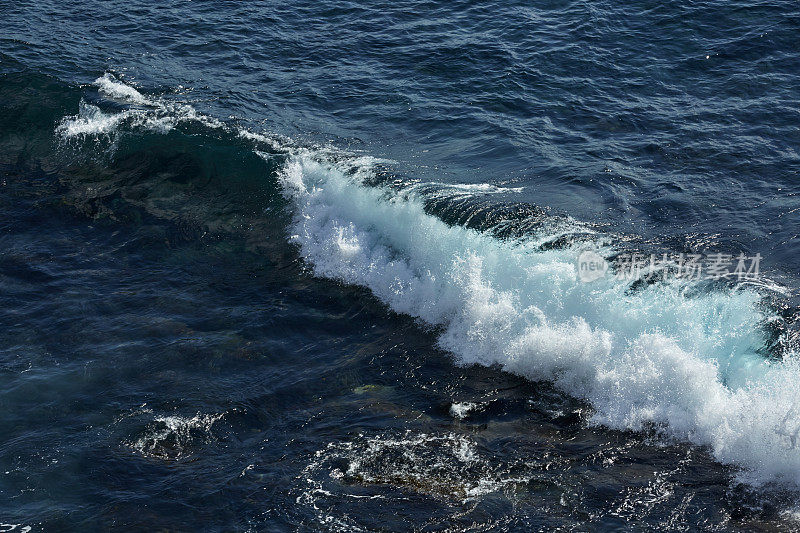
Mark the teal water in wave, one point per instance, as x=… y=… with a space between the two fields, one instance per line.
x=314 y=267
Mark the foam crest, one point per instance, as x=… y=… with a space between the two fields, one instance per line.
x=148 y=113
x=474 y=188
x=90 y=120
x=657 y=358
x=110 y=86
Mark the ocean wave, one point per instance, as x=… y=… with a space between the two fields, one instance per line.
x=687 y=366
x=672 y=357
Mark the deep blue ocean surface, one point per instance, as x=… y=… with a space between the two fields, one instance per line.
x=317 y=266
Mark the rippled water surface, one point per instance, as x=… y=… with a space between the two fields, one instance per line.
x=311 y=266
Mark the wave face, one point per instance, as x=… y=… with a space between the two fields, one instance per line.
x=678 y=358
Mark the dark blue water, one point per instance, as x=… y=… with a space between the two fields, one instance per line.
x=312 y=267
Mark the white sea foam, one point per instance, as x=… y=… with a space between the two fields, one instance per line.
x=446 y=465
x=684 y=365
x=90 y=121
x=461 y=410
x=4 y=528
x=475 y=188
x=171 y=436
x=160 y=115
x=110 y=86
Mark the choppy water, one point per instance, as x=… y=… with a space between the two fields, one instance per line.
x=270 y=267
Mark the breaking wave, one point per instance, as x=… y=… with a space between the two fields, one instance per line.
x=675 y=357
